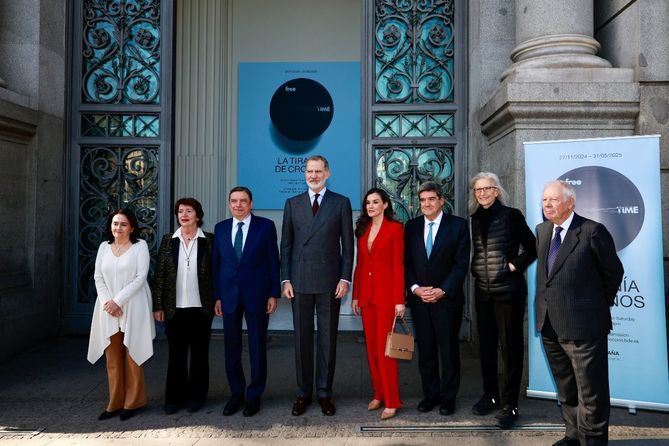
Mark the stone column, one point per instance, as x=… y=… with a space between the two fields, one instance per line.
x=552 y=34
x=556 y=88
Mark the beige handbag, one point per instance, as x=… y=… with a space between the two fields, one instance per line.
x=399 y=345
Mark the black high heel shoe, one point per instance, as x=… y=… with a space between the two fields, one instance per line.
x=107 y=415
x=126 y=414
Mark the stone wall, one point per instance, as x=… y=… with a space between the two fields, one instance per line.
x=633 y=35
x=32 y=110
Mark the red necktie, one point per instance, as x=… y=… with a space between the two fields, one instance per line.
x=314 y=207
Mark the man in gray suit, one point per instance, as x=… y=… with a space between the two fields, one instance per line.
x=316 y=266
x=578 y=275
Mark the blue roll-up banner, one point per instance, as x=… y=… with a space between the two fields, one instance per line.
x=617 y=182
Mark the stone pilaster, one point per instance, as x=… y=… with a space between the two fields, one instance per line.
x=556 y=88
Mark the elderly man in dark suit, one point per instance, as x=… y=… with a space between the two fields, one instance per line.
x=436 y=262
x=245 y=265
x=578 y=275
x=316 y=267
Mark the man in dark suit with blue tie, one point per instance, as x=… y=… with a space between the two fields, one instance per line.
x=578 y=274
x=316 y=268
x=436 y=262
x=245 y=265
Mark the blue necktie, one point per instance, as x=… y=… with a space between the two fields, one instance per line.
x=428 y=243
x=239 y=240
x=553 y=250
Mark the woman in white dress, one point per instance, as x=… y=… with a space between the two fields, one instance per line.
x=122 y=326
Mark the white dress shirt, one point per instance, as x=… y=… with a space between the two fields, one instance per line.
x=188 y=289
x=565 y=227
x=426 y=231
x=245 y=229
x=435 y=227
x=312 y=194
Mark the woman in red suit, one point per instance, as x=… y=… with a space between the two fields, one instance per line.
x=378 y=292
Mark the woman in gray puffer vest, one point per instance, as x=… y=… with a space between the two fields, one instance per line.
x=503 y=248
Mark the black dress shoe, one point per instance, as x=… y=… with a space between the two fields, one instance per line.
x=507 y=417
x=327 y=406
x=233 y=405
x=300 y=405
x=485 y=405
x=194 y=406
x=107 y=415
x=566 y=441
x=447 y=408
x=171 y=408
x=126 y=414
x=251 y=407
x=426 y=405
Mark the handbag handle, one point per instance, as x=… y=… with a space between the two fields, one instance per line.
x=404 y=324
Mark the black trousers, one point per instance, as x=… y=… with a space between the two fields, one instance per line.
x=437 y=333
x=188 y=330
x=500 y=325
x=327 y=317
x=581 y=372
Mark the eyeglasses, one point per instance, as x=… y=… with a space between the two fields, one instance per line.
x=478 y=190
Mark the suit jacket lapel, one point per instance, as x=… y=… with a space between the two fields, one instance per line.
x=570 y=241
x=251 y=237
x=441 y=234
x=380 y=237
x=176 y=246
x=227 y=240
x=544 y=236
x=201 y=248
x=324 y=210
x=420 y=240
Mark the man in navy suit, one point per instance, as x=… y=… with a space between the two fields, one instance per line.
x=578 y=274
x=245 y=265
x=436 y=261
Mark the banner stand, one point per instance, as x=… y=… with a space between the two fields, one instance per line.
x=617 y=183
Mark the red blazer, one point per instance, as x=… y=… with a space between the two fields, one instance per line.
x=379 y=274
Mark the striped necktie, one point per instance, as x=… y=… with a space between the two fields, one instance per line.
x=553 y=250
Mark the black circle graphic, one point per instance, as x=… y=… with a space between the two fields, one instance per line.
x=301 y=109
x=609 y=197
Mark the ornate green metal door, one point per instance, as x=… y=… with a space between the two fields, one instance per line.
x=119 y=137
x=415 y=81
x=415 y=109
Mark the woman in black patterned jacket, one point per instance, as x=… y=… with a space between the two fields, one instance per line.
x=182 y=298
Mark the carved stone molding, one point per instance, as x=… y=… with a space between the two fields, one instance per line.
x=568 y=99
x=17 y=124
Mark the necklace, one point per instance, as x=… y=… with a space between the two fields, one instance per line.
x=187 y=253
x=118 y=248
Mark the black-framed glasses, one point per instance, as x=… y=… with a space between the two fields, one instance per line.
x=478 y=190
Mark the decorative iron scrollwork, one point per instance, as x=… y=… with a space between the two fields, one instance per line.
x=412 y=125
x=401 y=170
x=112 y=178
x=414 y=51
x=121 y=51
x=120 y=125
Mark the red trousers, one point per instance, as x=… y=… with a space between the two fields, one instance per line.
x=377 y=322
